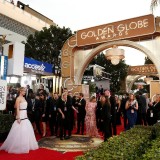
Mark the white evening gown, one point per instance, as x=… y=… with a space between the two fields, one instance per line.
x=21 y=137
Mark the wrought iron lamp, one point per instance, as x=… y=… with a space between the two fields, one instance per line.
x=114 y=54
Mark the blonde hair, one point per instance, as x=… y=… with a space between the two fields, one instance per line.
x=91 y=99
x=21 y=89
x=132 y=94
x=63 y=94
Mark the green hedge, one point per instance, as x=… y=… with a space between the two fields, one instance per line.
x=6 y=121
x=153 y=152
x=129 y=145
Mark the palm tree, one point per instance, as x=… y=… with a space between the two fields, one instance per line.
x=154 y=4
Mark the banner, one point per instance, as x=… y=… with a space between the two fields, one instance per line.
x=125 y=29
x=147 y=69
x=3 y=94
x=34 y=66
x=3 y=67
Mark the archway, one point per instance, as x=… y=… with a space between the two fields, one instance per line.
x=135 y=78
x=78 y=51
x=104 y=46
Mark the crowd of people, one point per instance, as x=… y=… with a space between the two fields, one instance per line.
x=67 y=114
x=48 y=110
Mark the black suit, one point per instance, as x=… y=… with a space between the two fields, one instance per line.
x=113 y=113
x=141 y=117
x=30 y=107
x=81 y=115
x=99 y=116
x=53 y=115
x=37 y=114
x=151 y=119
x=157 y=111
x=106 y=117
x=123 y=104
x=70 y=114
x=28 y=92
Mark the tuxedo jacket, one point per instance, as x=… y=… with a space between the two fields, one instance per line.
x=81 y=107
x=157 y=111
x=28 y=91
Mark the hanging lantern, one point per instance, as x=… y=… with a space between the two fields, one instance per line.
x=114 y=54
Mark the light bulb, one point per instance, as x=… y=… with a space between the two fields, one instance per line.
x=114 y=60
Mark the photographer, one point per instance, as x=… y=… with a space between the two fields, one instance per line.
x=131 y=108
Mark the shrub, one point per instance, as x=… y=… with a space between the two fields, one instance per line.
x=6 y=121
x=129 y=145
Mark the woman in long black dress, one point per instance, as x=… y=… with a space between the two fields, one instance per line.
x=45 y=113
x=63 y=115
x=106 y=117
x=118 y=111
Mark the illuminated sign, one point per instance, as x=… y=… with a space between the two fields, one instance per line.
x=129 y=28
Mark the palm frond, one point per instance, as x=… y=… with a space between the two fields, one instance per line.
x=154 y=4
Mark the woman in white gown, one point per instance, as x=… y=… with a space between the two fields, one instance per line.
x=21 y=137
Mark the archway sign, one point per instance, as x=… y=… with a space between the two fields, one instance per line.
x=140 y=71
x=141 y=33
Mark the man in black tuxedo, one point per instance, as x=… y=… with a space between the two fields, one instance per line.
x=37 y=112
x=123 y=104
x=112 y=100
x=30 y=106
x=142 y=109
x=53 y=113
x=28 y=91
x=81 y=114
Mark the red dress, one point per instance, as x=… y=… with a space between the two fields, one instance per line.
x=90 y=119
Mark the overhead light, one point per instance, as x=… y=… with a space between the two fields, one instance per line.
x=33 y=78
x=114 y=54
x=14 y=80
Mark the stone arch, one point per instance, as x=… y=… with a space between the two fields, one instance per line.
x=104 y=46
x=135 y=79
x=81 y=48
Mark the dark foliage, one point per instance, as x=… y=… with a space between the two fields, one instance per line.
x=118 y=72
x=45 y=45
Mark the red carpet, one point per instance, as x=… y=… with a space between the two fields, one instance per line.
x=40 y=154
x=46 y=154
